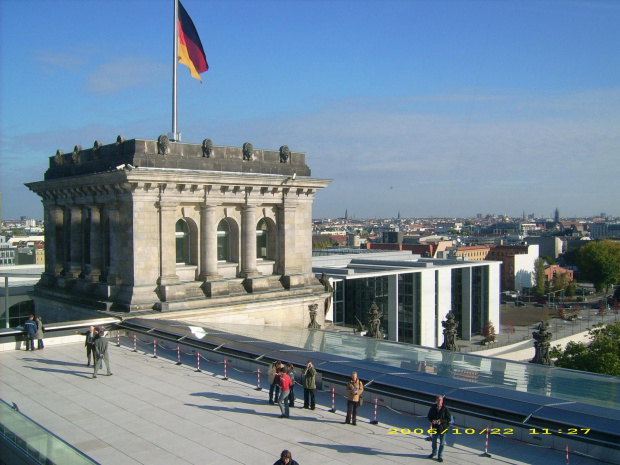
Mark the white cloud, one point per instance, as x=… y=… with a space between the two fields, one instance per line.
x=125 y=73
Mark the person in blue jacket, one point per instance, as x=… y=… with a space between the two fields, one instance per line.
x=30 y=330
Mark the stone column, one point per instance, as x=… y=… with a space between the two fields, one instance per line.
x=248 y=241
x=167 y=244
x=115 y=253
x=208 y=244
x=286 y=240
x=74 y=225
x=53 y=243
x=96 y=244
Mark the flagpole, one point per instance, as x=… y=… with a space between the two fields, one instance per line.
x=174 y=135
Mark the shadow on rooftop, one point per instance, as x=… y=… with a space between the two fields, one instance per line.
x=230 y=397
x=344 y=449
x=67 y=372
x=48 y=361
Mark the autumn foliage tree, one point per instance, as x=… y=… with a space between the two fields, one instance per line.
x=488 y=332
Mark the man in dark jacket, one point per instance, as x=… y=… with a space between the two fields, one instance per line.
x=440 y=417
x=89 y=343
x=286 y=458
x=101 y=353
x=309 y=375
x=30 y=330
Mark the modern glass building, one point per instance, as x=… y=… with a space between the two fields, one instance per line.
x=414 y=294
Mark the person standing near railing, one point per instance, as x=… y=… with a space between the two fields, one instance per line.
x=354 y=391
x=309 y=375
x=101 y=353
x=285 y=389
x=89 y=343
x=274 y=381
x=39 y=333
x=30 y=331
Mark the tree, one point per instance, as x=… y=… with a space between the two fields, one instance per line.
x=599 y=262
x=560 y=281
x=539 y=277
x=489 y=332
x=601 y=355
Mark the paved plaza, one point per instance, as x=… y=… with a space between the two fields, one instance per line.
x=153 y=411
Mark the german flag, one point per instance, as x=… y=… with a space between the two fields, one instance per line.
x=191 y=53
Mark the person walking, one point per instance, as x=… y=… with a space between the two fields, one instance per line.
x=285 y=389
x=274 y=381
x=286 y=458
x=439 y=415
x=354 y=391
x=290 y=371
x=101 y=353
x=309 y=374
x=30 y=331
x=39 y=333
x=89 y=342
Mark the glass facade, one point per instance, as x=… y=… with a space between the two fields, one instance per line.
x=480 y=298
x=338 y=302
x=409 y=302
x=457 y=298
x=361 y=293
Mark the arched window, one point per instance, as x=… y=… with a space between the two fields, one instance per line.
x=262 y=240
x=223 y=242
x=183 y=242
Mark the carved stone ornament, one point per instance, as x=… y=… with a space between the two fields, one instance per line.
x=58 y=158
x=313 y=308
x=449 y=333
x=374 y=322
x=207 y=148
x=542 y=341
x=75 y=156
x=285 y=154
x=96 y=146
x=248 y=151
x=120 y=140
x=162 y=145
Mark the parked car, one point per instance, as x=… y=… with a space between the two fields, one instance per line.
x=583 y=291
x=519 y=303
x=539 y=305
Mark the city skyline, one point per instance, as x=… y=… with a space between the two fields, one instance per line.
x=431 y=109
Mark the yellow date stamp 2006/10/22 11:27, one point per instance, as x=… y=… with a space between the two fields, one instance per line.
x=499 y=431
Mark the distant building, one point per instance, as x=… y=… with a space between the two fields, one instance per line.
x=550 y=246
x=7 y=252
x=552 y=271
x=414 y=293
x=605 y=231
x=517 y=265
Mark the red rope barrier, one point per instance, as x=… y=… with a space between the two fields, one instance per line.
x=154 y=348
x=118 y=338
x=135 y=349
x=225 y=365
x=198 y=362
x=178 y=355
x=566 y=454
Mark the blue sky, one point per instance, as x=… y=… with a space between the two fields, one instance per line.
x=427 y=108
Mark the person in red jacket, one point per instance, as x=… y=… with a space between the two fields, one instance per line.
x=285 y=389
